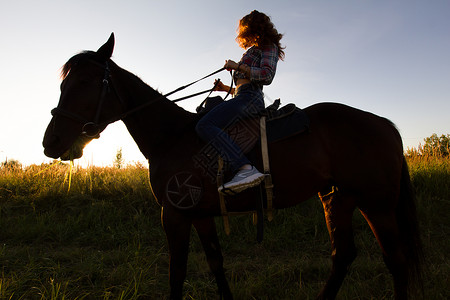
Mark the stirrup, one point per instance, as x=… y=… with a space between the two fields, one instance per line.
x=227 y=191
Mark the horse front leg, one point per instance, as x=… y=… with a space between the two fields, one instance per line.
x=206 y=229
x=177 y=228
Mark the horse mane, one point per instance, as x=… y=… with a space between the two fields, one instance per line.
x=88 y=55
x=85 y=56
x=77 y=59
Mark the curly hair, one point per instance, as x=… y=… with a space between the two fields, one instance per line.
x=256 y=29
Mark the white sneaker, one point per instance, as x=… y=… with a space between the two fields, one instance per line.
x=243 y=180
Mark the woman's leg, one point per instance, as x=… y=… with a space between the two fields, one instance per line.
x=210 y=128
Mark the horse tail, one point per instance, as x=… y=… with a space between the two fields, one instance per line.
x=409 y=232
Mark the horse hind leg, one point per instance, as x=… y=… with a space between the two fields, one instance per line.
x=206 y=230
x=386 y=230
x=338 y=214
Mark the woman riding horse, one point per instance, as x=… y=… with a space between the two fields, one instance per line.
x=257 y=67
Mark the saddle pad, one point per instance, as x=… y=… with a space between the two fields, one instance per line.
x=287 y=121
x=293 y=122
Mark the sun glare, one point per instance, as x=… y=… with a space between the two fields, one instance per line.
x=102 y=152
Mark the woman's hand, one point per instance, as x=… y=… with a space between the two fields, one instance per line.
x=231 y=65
x=220 y=87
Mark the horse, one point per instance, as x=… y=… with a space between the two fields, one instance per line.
x=356 y=154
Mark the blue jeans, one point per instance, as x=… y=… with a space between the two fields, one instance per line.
x=248 y=101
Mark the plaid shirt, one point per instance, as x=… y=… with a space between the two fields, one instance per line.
x=262 y=62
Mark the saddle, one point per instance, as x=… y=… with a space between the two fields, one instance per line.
x=281 y=123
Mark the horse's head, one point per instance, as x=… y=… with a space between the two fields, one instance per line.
x=85 y=104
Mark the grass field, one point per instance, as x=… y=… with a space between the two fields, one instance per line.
x=103 y=240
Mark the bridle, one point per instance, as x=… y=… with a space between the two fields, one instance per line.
x=91 y=129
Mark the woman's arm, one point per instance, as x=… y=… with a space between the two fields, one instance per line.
x=259 y=64
x=265 y=71
x=232 y=65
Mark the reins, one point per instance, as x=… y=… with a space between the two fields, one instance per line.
x=91 y=129
x=194 y=82
x=133 y=110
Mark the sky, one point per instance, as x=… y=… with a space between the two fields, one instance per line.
x=391 y=58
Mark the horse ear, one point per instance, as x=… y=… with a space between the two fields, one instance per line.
x=106 y=50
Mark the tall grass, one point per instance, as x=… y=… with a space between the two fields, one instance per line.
x=431 y=179
x=102 y=239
